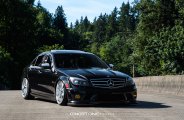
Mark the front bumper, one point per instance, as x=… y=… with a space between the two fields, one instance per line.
x=90 y=95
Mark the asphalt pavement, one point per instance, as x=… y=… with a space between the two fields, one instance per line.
x=150 y=106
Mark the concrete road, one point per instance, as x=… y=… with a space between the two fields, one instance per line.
x=149 y=107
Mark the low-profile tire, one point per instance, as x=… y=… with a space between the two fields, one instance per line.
x=25 y=89
x=60 y=94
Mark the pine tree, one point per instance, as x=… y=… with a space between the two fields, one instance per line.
x=86 y=24
x=100 y=29
x=124 y=20
x=60 y=24
x=112 y=27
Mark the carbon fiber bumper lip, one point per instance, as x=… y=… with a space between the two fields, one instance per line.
x=92 y=96
x=88 y=103
x=94 y=101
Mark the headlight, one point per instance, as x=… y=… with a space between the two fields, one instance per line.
x=79 y=81
x=130 y=81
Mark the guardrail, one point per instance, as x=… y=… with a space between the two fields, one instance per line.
x=171 y=84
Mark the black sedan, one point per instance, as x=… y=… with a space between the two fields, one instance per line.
x=76 y=77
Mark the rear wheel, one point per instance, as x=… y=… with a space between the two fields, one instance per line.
x=61 y=97
x=25 y=89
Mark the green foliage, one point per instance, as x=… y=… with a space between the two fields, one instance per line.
x=24 y=28
x=45 y=48
x=159 y=39
x=100 y=29
x=165 y=51
x=112 y=27
x=4 y=55
x=117 y=51
x=60 y=19
x=5 y=61
x=125 y=19
x=148 y=34
x=60 y=24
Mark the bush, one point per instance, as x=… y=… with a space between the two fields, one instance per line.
x=5 y=62
x=45 y=48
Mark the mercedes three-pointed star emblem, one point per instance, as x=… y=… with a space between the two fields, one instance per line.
x=110 y=83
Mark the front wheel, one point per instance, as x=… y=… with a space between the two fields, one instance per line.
x=25 y=89
x=61 y=97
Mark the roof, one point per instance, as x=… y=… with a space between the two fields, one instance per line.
x=67 y=51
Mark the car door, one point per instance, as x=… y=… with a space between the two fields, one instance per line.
x=47 y=78
x=34 y=73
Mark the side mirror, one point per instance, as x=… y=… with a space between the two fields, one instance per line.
x=45 y=66
x=111 y=66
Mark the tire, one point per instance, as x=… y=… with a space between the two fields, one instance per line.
x=60 y=94
x=25 y=89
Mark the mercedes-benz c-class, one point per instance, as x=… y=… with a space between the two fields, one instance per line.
x=75 y=77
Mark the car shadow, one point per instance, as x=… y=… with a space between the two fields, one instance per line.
x=45 y=100
x=138 y=105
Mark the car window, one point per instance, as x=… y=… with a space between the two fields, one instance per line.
x=46 y=59
x=33 y=62
x=39 y=60
x=73 y=61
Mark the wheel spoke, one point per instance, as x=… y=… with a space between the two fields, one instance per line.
x=59 y=92
x=24 y=87
x=62 y=94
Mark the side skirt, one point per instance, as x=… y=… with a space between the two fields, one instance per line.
x=46 y=96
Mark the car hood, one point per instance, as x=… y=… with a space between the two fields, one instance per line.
x=93 y=73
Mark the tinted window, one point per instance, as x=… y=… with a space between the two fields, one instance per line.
x=47 y=59
x=38 y=61
x=78 y=61
x=34 y=62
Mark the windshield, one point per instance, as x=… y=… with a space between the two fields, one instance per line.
x=79 y=61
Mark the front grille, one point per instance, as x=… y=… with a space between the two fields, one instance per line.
x=109 y=82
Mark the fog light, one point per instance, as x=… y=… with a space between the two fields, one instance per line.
x=134 y=93
x=77 y=96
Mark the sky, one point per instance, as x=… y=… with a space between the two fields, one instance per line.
x=74 y=9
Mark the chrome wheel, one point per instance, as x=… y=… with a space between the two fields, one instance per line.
x=25 y=88
x=60 y=93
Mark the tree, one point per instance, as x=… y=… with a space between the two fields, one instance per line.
x=17 y=27
x=49 y=48
x=124 y=19
x=5 y=62
x=112 y=27
x=117 y=51
x=46 y=34
x=100 y=29
x=60 y=24
x=165 y=52
x=147 y=34
x=155 y=43
x=86 y=24
x=30 y=2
